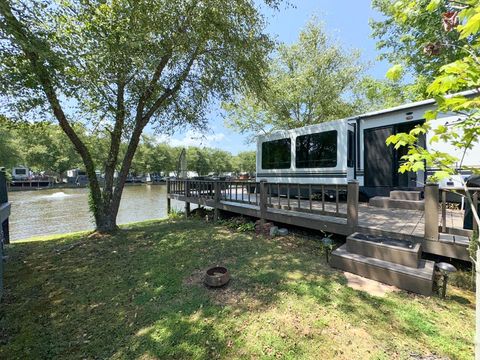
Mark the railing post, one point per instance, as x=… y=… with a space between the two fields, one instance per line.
x=352 y=204
x=475 y=205
x=263 y=202
x=186 y=186
x=4 y=227
x=169 y=203
x=216 y=198
x=444 y=211
x=431 y=212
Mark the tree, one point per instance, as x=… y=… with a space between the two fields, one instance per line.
x=245 y=162
x=371 y=94
x=450 y=79
x=46 y=148
x=411 y=36
x=9 y=152
x=117 y=66
x=456 y=67
x=198 y=161
x=220 y=161
x=308 y=83
x=40 y=146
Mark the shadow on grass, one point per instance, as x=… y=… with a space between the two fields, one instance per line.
x=140 y=293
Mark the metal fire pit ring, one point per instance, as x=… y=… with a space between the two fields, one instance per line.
x=217 y=276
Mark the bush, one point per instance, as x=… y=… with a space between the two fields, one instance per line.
x=239 y=224
x=175 y=215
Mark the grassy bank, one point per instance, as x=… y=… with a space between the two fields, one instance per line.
x=139 y=294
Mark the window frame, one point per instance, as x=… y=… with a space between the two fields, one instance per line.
x=297 y=141
x=277 y=167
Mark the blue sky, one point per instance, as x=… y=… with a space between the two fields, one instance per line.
x=345 y=20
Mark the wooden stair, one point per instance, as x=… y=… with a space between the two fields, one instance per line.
x=399 y=199
x=391 y=261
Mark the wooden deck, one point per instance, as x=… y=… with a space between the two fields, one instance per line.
x=333 y=217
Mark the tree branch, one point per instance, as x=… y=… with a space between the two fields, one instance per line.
x=170 y=91
x=30 y=45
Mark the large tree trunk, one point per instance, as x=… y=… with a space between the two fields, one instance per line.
x=30 y=45
x=105 y=203
x=106 y=222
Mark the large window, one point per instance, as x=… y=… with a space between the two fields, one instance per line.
x=317 y=150
x=276 y=154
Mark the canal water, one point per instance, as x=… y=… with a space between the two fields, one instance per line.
x=59 y=211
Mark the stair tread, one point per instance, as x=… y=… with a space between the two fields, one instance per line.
x=405 y=194
x=406 y=191
x=425 y=267
x=450 y=238
x=397 y=200
x=386 y=241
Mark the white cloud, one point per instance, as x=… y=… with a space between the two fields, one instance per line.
x=193 y=138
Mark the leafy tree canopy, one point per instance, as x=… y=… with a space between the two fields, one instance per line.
x=456 y=70
x=411 y=35
x=309 y=82
x=116 y=66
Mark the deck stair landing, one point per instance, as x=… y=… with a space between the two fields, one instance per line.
x=391 y=261
x=399 y=199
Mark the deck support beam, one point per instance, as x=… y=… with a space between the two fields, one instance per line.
x=263 y=202
x=186 y=187
x=4 y=210
x=169 y=201
x=431 y=212
x=216 y=194
x=352 y=204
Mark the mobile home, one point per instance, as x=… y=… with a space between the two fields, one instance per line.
x=335 y=152
x=20 y=173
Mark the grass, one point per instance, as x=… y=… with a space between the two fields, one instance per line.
x=139 y=295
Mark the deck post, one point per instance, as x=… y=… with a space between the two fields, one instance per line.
x=186 y=186
x=216 y=194
x=169 y=202
x=352 y=204
x=4 y=227
x=263 y=202
x=431 y=212
x=475 y=205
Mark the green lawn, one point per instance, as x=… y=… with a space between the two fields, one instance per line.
x=139 y=294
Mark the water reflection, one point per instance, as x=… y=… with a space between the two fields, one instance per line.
x=58 y=211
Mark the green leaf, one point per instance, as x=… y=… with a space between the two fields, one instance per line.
x=472 y=26
x=441 y=174
x=431 y=114
x=433 y=5
x=395 y=73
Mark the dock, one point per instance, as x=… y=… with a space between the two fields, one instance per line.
x=31 y=184
x=438 y=229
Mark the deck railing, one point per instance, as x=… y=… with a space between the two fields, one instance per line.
x=312 y=198
x=4 y=209
x=4 y=214
x=326 y=199
x=339 y=201
x=465 y=204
